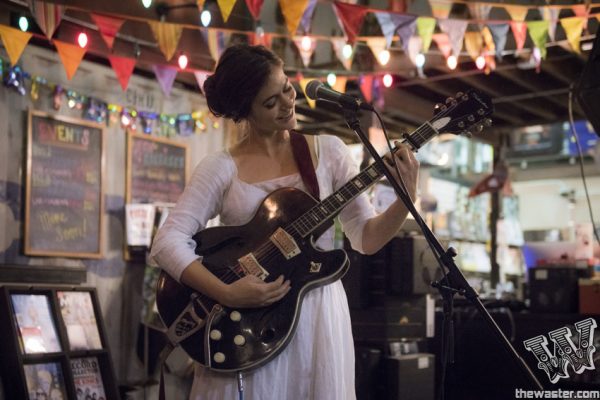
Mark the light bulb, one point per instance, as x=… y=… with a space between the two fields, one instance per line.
x=306 y=43
x=331 y=78
x=387 y=80
x=452 y=62
x=23 y=23
x=420 y=60
x=82 y=40
x=384 y=57
x=182 y=61
x=205 y=18
x=347 y=51
x=146 y=3
x=480 y=62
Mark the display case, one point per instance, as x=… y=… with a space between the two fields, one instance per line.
x=54 y=344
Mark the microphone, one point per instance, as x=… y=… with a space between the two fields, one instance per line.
x=316 y=90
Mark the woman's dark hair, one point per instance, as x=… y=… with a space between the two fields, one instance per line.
x=241 y=72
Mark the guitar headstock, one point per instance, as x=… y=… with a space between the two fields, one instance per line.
x=462 y=113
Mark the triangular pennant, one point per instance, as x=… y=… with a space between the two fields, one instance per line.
x=378 y=98
x=479 y=11
x=406 y=27
x=47 y=16
x=167 y=35
x=415 y=46
x=292 y=11
x=538 y=32
x=226 y=6
x=306 y=47
x=108 y=27
x=350 y=18
x=440 y=10
x=377 y=45
x=216 y=42
x=200 y=4
x=200 y=79
x=519 y=30
x=573 y=27
x=366 y=87
x=254 y=6
x=488 y=40
x=263 y=38
x=70 y=55
x=425 y=29
x=340 y=84
x=474 y=44
x=305 y=22
x=580 y=10
x=14 y=41
x=123 y=67
x=443 y=43
x=338 y=47
x=166 y=76
x=517 y=13
x=455 y=29
x=388 y=28
x=550 y=14
x=499 y=34
x=303 y=83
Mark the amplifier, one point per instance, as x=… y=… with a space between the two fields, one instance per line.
x=555 y=289
x=410 y=377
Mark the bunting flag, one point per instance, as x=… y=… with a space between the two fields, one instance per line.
x=200 y=79
x=440 y=10
x=377 y=45
x=292 y=13
x=366 y=87
x=550 y=14
x=167 y=35
x=340 y=84
x=406 y=27
x=378 y=97
x=479 y=11
x=455 y=29
x=415 y=44
x=499 y=33
x=517 y=13
x=425 y=29
x=538 y=32
x=226 y=6
x=338 y=47
x=474 y=44
x=254 y=6
x=262 y=38
x=14 y=41
x=200 y=4
x=47 y=15
x=165 y=76
x=492 y=182
x=108 y=27
x=123 y=67
x=70 y=55
x=573 y=27
x=306 y=19
x=303 y=82
x=392 y=23
x=442 y=41
x=519 y=30
x=305 y=51
x=350 y=18
x=216 y=42
x=490 y=48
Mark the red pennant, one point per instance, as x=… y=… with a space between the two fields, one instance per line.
x=351 y=18
x=108 y=27
x=123 y=67
x=497 y=180
x=366 y=87
x=254 y=6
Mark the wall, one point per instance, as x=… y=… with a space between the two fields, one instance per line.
x=118 y=283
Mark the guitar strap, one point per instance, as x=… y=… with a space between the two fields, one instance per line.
x=304 y=162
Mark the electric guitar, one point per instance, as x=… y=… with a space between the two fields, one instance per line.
x=279 y=241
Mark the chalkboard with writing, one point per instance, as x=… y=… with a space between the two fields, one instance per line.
x=156 y=169
x=64 y=189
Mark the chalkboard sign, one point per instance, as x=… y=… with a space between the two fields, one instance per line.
x=64 y=189
x=156 y=169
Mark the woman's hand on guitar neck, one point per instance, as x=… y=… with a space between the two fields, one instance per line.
x=250 y=292
x=408 y=165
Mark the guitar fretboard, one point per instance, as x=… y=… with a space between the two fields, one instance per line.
x=332 y=205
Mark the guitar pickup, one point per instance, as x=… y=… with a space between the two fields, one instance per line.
x=251 y=266
x=285 y=243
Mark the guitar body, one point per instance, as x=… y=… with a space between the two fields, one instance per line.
x=243 y=339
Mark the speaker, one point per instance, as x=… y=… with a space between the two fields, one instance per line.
x=410 y=377
x=587 y=89
x=555 y=289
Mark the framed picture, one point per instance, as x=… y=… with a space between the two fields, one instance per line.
x=35 y=323
x=45 y=381
x=87 y=378
x=77 y=311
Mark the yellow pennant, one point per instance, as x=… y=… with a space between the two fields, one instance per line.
x=473 y=43
x=167 y=35
x=226 y=6
x=292 y=11
x=70 y=55
x=340 y=84
x=303 y=82
x=517 y=13
x=573 y=27
x=14 y=42
x=200 y=4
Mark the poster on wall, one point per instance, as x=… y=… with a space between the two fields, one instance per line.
x=64 y=189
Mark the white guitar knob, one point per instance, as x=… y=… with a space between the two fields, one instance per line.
x=219 y=357
x=239 y=340
x=235 y=316
x=216 y=334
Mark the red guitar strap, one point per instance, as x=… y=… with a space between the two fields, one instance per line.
x=304 y=162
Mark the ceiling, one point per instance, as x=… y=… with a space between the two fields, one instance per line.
x=522 y=93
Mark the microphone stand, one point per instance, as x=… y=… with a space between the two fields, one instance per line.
x=454 y=281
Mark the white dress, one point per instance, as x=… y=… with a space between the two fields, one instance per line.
x=318 y=363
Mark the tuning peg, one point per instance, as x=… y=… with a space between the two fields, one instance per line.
x=468 y=134
x=487 y=122
x=451 y=101
x=439 y=107
x=479 y=127
x=459 y=95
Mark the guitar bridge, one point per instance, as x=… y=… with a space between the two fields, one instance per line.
x=285 y=243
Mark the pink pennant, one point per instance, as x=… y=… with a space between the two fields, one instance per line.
x=166 y=76
x=366 y=87
x=519 y=30
x=254 y=6
x=200 y=79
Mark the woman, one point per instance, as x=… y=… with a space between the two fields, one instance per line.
x=249 y=85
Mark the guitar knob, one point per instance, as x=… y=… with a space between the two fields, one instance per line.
x=487 y=122
x=471 y=118
x=239 y=340
x=235 y=316
x=461 y=124
x=219 y=357
x=479 y=127
x=216 y=334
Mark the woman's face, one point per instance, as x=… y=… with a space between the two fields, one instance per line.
x=273 y=107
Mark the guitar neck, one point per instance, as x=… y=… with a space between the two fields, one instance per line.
x=332 y=205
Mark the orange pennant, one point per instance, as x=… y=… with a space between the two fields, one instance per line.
x=226 y=6
x=474 y=43
x=340 y=84
x=517 y=13
x=167 y=35
x=70 y=55
x=14 y=42
x=292 y=11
